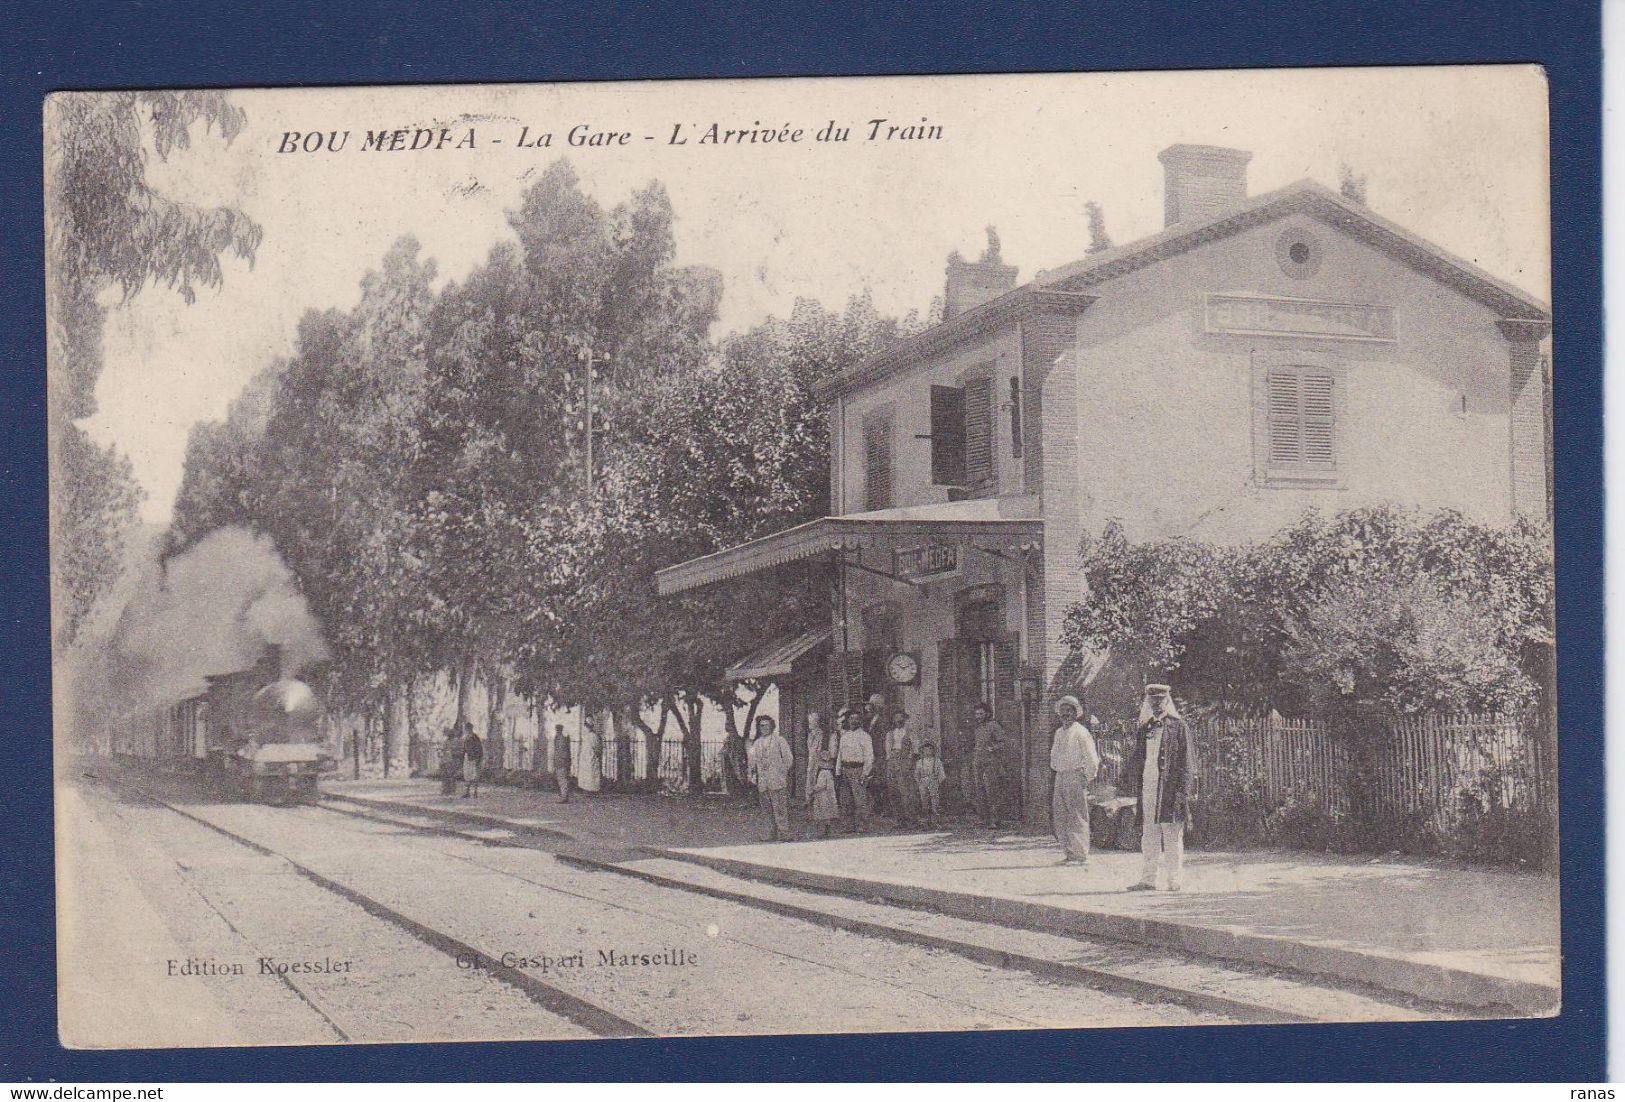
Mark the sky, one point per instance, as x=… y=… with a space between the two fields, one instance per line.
x=1456 y=154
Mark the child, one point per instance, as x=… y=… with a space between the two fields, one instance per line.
x=929 y=775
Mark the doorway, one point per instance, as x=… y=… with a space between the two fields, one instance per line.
x=977 y=666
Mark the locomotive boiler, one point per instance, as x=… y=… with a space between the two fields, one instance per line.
x=265 y=735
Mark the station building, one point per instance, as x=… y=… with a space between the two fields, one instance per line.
x=1259 y=357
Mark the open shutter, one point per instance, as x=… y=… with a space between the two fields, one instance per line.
x=1006 y=703
x=978 y=431
x=845 y=680
x=1015 y=417
x=1318 y=444
x=1286 y=430
x=877 y=463
x=947 y=436
x=947 y=735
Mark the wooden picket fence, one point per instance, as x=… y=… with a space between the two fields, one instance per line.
x=1391 y=779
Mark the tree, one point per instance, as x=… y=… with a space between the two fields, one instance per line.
x=1351 y=186
x=707 y=458
x=107 y=229
x=221 y=471
x=506 y=518
x=1099 y=239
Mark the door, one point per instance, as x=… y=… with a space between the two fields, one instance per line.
x=985 y=673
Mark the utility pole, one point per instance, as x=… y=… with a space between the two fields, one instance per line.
x=590 y=371
x=587 y=423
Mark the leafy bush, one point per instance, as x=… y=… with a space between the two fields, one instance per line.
x=1372 y=606
x=1407 y=644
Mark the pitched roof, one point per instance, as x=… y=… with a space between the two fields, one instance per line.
x=1067 y=287
x=1319 y=202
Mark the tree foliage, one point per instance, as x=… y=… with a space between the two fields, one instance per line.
x=732 y=449
x=1099 y=239
x=1378 y=605
x=420 y=463
x=1351 y=185
x=108 y=229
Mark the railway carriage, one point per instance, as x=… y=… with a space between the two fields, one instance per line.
x=253 y=733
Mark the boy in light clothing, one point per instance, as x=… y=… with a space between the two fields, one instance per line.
x=928 y=777
x=768 y=763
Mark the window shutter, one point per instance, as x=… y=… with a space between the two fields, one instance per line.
x=845 y=680
x=1302 y=415
x=1318 y=450
x=947 y=436
x=877 y=463
x=1286 y=436
x=1006 y=705
x=1015 y=417
x=978 y=431
x=1004 y=672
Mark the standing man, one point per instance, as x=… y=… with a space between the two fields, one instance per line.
x=590 y=773
x=735 y=765
x=473 y=758
x=822 y=759
x=768 y=763
x=451 y=765
x=1075 y=761
x=561 y=762
x=900 y=786
x=1164 y=762
x=992 y=758
x=857 y=754
x=874 y=721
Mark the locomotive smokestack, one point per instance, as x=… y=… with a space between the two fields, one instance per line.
x=270 y=663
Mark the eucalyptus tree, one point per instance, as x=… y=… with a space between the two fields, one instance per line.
x=108 y=230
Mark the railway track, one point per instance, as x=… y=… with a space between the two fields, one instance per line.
x=1234 y=992
x=644 y=891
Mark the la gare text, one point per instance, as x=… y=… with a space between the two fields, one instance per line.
x=419 y=139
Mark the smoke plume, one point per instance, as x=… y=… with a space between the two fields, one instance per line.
x=210 y=610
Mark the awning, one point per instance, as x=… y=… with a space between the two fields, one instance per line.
x=1003 y=526
x=777 y=659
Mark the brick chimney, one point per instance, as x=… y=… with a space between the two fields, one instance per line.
x=1201 y=181
x=971 y=283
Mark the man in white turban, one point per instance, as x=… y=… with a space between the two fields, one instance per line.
x=1075 y=761
x=1164 y=764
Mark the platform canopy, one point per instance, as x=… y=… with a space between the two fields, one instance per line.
x=1007 y=526
x=778 y=659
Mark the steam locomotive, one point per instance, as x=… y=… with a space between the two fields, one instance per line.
x=252 y=733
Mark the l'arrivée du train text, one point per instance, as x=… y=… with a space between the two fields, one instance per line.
x=420 y=139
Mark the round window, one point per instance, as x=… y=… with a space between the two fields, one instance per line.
x=1298 y=252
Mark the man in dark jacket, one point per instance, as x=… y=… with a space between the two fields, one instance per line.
x=1164 y=766
x=473 y=759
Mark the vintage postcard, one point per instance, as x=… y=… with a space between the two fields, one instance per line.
x=802 y=556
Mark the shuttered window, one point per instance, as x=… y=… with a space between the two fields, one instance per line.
x=1301 y=418
x=877 y=470
x=978 y=431
x=947 y=436
x=1015 y=417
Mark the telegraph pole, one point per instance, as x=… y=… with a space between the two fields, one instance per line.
x=587 y=425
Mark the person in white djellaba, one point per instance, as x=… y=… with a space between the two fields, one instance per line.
x=1075 y=761
x=1164 y=764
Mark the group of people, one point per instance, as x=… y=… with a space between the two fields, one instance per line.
x=462 y=756
x=1161 y=767
x=847 y=780
x=842 y=781
x=841 y=766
